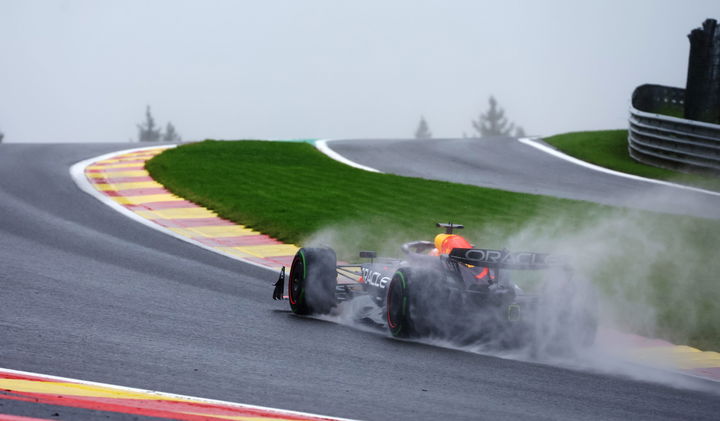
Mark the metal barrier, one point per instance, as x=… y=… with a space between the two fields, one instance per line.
x=670 y=142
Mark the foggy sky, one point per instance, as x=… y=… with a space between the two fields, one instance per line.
x=83 y=71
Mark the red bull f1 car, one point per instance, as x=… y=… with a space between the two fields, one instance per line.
x=444 y=289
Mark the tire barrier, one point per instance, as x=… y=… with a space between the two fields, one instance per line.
x=662 y=140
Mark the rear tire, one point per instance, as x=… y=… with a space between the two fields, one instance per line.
x=416 y=302
x=312 y=281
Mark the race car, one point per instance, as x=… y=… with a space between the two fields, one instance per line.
x=444 y=289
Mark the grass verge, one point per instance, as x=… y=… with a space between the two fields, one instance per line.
x=609 y=149
x=658 y=270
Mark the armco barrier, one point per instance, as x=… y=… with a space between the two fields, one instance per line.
x=670 y=142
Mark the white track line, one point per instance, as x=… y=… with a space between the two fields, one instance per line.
x=77 y=172
x=171 y=395
x=322 y=146
x=558 y=154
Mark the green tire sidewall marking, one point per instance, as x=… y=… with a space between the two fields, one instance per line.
x=404 y=284
x=513 y=313
x=402 y=278
x=399 y=327
x=302 y=254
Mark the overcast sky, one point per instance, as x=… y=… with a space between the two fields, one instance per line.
x=84 y=71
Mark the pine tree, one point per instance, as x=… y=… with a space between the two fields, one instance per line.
x=423 y=131
x=494 y=122
x=171 y=135
x=147 y=132
x=2 y=136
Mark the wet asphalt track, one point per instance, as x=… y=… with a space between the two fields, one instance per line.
x=87 y=293
x=507 y=164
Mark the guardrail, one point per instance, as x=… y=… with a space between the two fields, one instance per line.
x=670 y=142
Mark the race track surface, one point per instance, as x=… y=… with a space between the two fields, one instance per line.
x=506 y=164
x=90 y=294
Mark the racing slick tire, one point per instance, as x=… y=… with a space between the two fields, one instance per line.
x=312 y=281
x=415 y=304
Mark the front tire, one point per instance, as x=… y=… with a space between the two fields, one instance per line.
x=312 y=281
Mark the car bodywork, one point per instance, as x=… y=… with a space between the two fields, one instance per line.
x=463 y=294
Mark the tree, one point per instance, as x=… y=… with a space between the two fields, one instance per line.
x=147 y=132
x=494 y=122
x=171 y=135
x=2 y=136
x=423 y=131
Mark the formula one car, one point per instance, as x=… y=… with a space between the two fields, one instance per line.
x=444 y=289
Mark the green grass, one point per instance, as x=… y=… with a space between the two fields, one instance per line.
x=290 y=191
x=658 y=270
x=609 y=149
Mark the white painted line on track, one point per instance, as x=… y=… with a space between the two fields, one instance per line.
x=322 y=146
x=171 y=395
x=558 y=154
x=77 y=172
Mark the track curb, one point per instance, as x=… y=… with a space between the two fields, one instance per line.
x=54 y=390
x=650 y=352
x=119 y=180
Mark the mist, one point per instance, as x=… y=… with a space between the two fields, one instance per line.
x=641 y=273
x=84 y=71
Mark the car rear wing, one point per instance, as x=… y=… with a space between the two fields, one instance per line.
x=505 y=259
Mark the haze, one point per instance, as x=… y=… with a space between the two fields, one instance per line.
x=84 y=71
